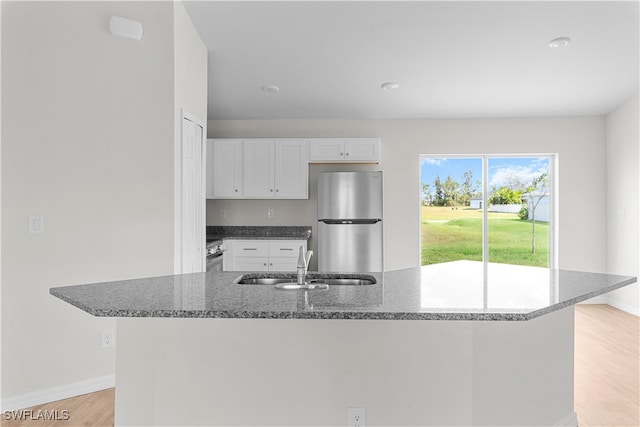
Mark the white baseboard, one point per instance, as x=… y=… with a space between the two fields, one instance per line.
x=600 y=299
x=603 y=299
x=623 y=306
x=570 y=420
x=57 y=393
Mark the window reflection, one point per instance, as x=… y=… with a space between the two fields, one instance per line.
x=467 y=285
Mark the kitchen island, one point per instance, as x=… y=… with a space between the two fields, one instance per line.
x=450 y=344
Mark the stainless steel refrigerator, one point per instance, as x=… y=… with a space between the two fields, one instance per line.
x=350 y=222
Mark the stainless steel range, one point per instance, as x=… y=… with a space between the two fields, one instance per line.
x=215 y=253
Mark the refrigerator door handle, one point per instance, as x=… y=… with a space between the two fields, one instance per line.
x=350 y=221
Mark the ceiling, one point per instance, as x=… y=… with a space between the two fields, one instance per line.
x=450 y=59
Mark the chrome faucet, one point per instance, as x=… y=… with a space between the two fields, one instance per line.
x=303 y=265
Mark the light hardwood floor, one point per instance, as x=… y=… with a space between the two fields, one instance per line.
x=607 y=367
x=90 y=410
x=607 y=377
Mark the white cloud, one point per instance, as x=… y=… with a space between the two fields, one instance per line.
x=435 y=161
x=523 y=174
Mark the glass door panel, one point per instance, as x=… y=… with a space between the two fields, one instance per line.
x=451 y=209
x=518 y=210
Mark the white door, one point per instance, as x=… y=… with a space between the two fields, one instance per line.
x=193 y=198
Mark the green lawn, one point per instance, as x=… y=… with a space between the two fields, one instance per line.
x=451 y=235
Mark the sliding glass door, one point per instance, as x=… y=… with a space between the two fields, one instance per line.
x=495 y=209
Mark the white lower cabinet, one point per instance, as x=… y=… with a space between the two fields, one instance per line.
x=262 y=255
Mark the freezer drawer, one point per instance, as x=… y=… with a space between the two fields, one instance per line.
x=350 y=248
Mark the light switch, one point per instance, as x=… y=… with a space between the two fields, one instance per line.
x=270 y=213
x=36 y=225
x=223 y=214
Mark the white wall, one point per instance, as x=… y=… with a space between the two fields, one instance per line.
x=190 y=95
x=88 y=142
x=0 y=202
x=579 y=142
x=623 y=192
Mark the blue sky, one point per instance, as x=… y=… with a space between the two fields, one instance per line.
x=500 y=169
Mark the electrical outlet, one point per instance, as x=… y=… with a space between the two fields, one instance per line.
x=36 y=224
x=356 y=417
x=271 y=213
x=223 y=214
x=107 y=339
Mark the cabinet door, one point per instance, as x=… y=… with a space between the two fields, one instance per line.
x=362 y=150
x=283 y=254
x=209 y=169
x=251 y=264
x=259 y=168
x=227 y=168
x=291 y=169
x=283 y=264
x=326 y=150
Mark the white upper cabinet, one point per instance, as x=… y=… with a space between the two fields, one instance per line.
x=276 y=168
x=326 y=150
x=265 y=168
x=224 y=168
x=258 y=168
x=344 y=150
x=292 y=169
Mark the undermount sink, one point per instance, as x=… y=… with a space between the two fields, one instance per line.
x=346 y=281
x=274 y=279
x=261 y=280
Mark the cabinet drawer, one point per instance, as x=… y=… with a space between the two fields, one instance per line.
x=286 y=248
x=250 y=248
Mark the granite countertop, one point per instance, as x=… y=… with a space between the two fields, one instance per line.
x=448 y=291
x=216 y=234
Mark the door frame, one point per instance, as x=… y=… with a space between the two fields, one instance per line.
x=186 y=115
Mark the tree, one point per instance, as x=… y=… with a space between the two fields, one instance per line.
x=451 y=190
x=536 y=191
x=506 y=196
x=513 y=181
x=427 y=196
x=439 y=199
x=467 y=187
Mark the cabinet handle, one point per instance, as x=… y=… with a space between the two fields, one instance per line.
x=265 y=264
x=271 y=190
x=286 y=249
x=249 y=249
x=342 y=154
x=236 y=190
x=277 y=190
x=347 y=154
x=271 y=264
